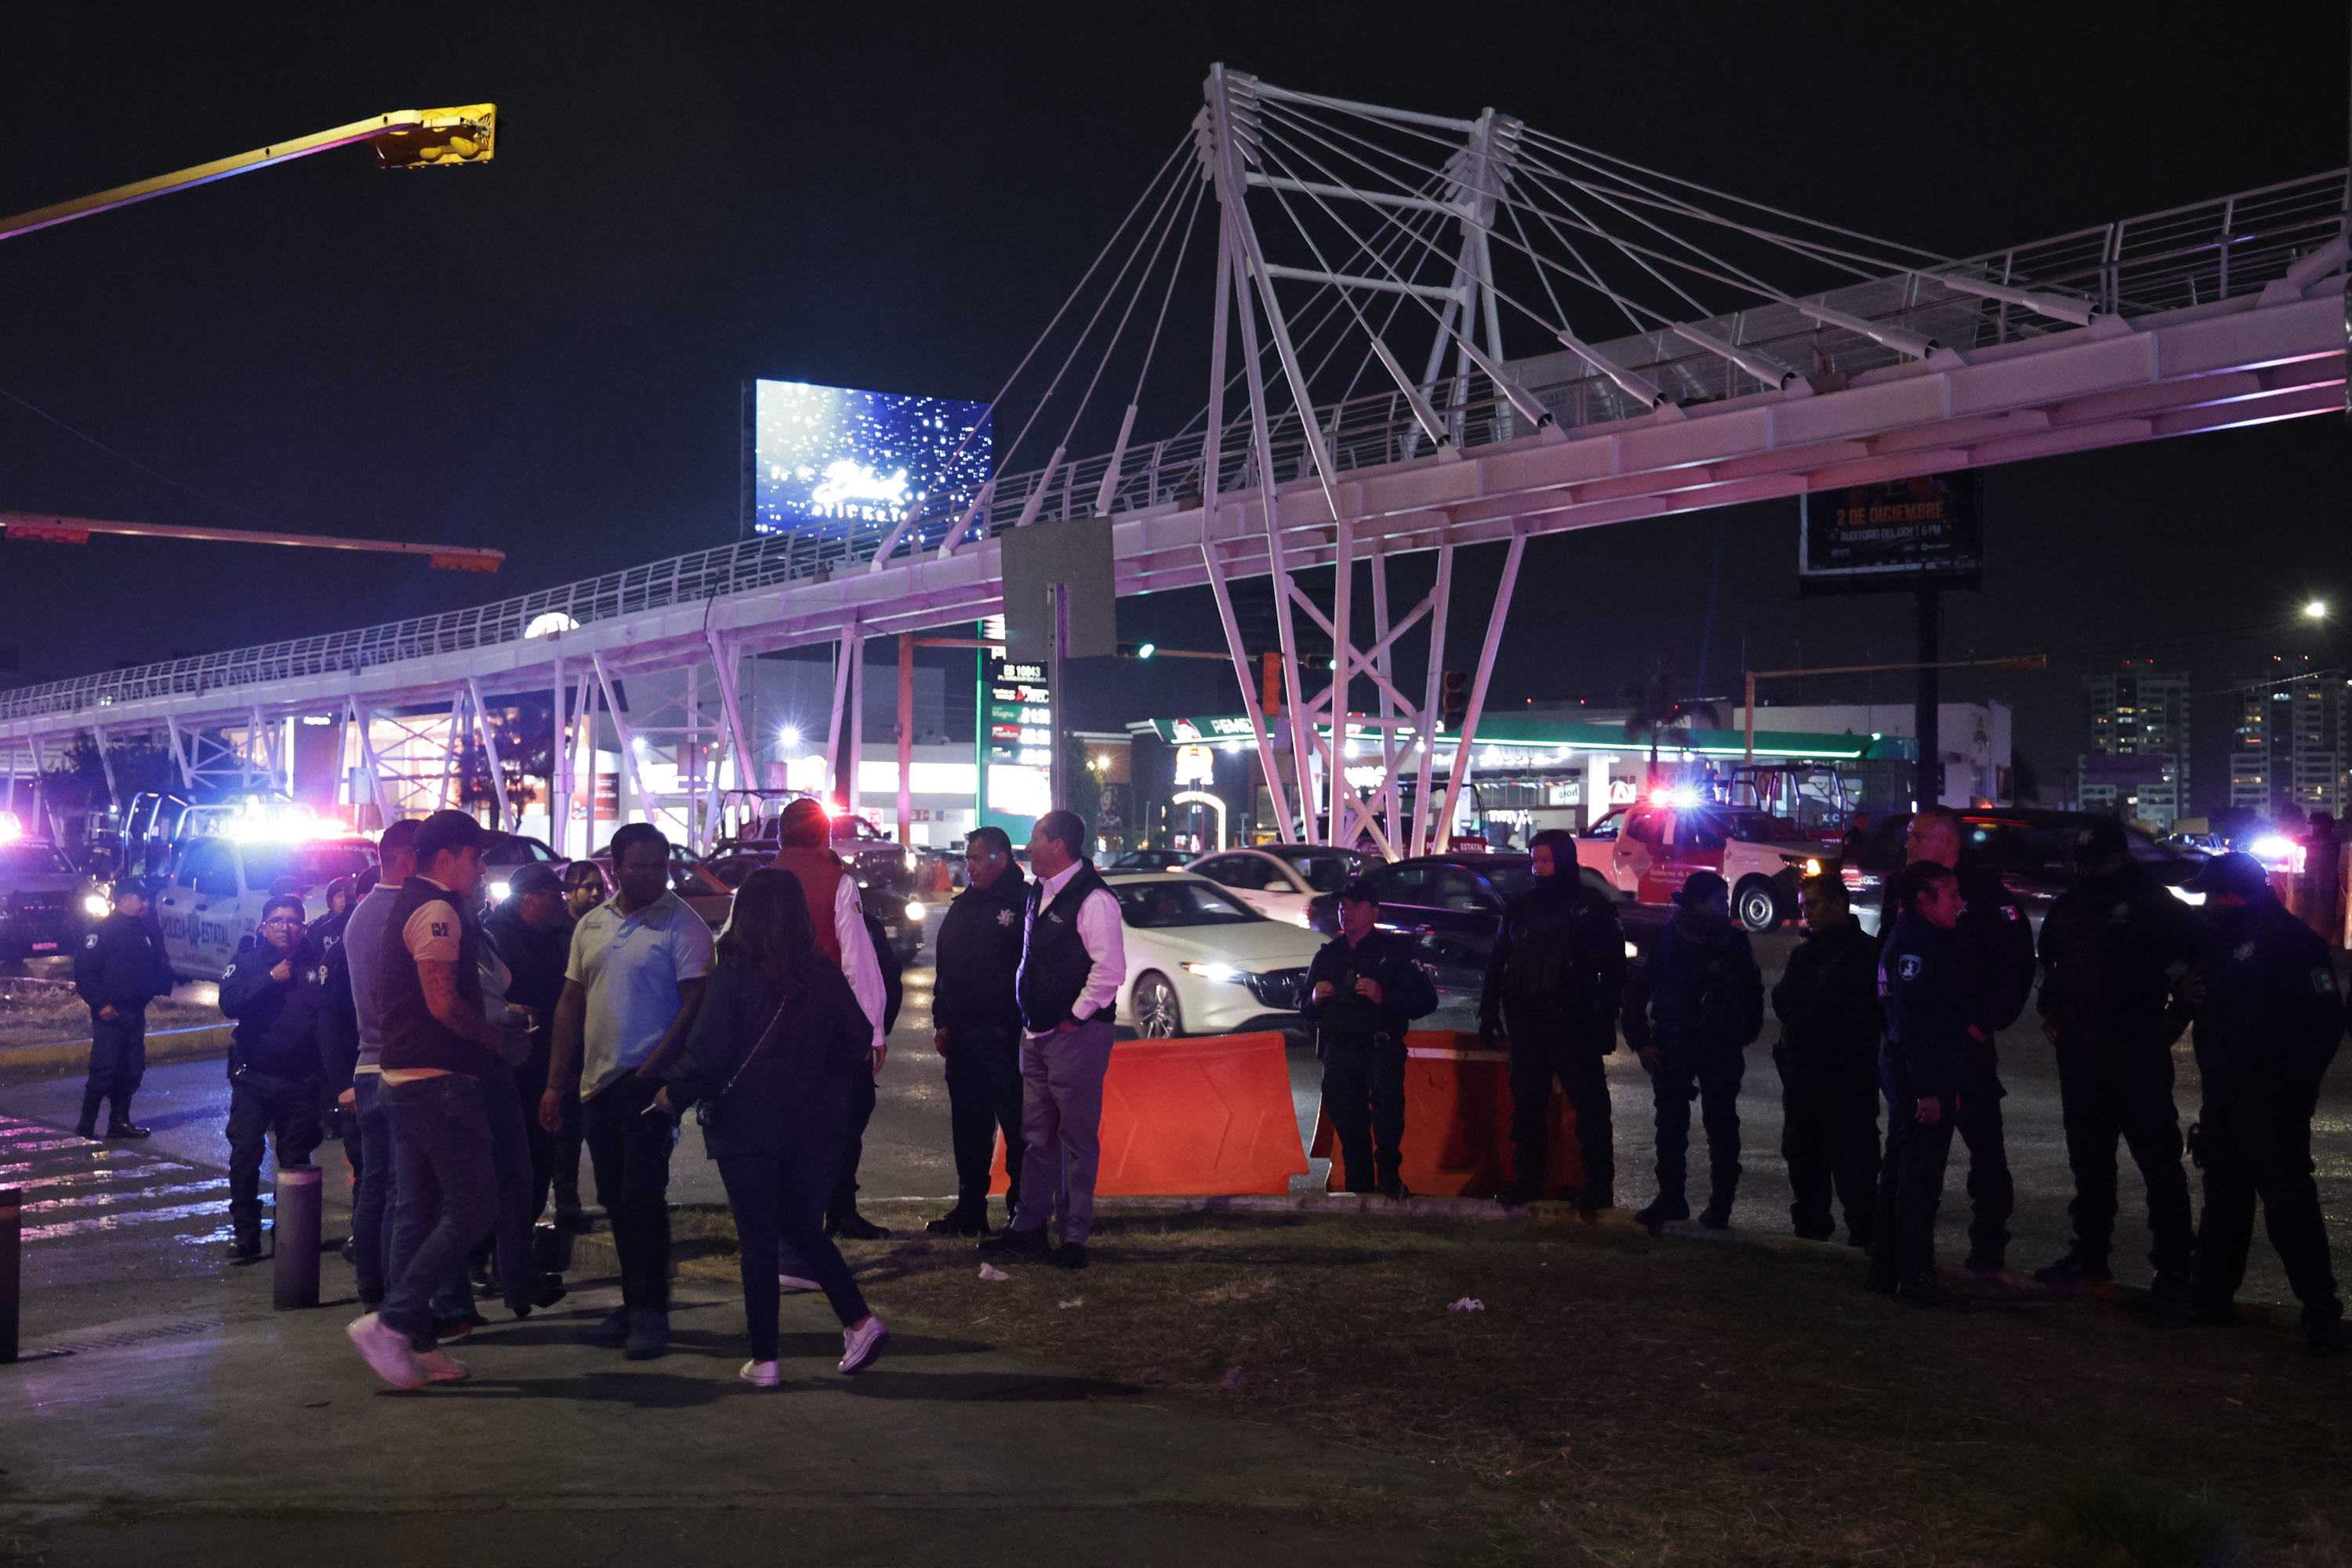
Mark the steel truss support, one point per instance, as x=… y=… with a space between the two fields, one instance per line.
x=1460 y=771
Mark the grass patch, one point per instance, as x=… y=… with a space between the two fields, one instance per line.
x=38 y=1015
x=1668 y=1401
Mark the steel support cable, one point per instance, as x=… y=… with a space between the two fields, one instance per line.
x=1592 y=278
x=1733 y=268
x=1171 y=200
x=1071 y=358
x=1630 y=254
x=1330 y=314
x=1593 y=156
x=1175 y=271
x=1871 y=266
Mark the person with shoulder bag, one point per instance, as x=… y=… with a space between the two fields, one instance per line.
x=769 y=1065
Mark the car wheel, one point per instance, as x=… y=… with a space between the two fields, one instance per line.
x=1757 y=907
x=1157 y=1014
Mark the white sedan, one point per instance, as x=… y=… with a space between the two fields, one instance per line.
x=1201 y=962
x=1280 y=882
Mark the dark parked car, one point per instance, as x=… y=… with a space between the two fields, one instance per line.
x=2031 y=851
x=1450 y=904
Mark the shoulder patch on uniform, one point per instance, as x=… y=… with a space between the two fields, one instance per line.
x=1910 y=967
x=90 y=941
x=2323 y=981
x=2119 y=914
x=2012 y=913
x=2242 y=952
x=1004 y=917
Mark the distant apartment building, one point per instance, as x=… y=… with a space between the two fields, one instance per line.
x=2135 y=760
x=2290 y=748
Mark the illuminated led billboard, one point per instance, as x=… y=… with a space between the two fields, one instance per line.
x=829 y=460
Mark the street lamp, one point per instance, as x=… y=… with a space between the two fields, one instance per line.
x=2317 y=610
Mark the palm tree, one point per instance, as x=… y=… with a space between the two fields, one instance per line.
x=1654 y=709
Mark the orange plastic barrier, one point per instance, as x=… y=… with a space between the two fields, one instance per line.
x=1457 y=1122
x=1194 y=1118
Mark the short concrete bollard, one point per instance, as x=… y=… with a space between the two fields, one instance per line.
x=294 y=1238
x=12 y=1271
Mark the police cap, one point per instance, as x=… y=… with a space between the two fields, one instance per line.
x=2099 y=840
x=1360 y=891
x=2235 y=872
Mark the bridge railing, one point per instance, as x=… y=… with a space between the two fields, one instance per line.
x=2186 y=256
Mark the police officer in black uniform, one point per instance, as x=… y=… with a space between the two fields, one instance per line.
x=2268 y=1017
x=1928 y=972
x=120 y=969
x=2112 y=947
x=1556 y=978
x=1830 y=1022
x=1691 y=1006
x=1996 y=928
x=1361 y=991
x=276 y=989
x=976 y=1026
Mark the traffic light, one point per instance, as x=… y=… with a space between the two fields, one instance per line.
x=1137 y=650
x=1453 y=699
x=466 y=134
x=1314 y=661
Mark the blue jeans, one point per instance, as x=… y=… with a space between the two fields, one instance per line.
x=779 y=1203
x=372 y=1206
x=448 y=1192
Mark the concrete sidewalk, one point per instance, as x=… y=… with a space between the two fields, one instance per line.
x=257 y=1436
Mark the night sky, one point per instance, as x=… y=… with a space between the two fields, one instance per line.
x=547 y=355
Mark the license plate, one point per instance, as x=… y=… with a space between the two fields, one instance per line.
x=45 y=947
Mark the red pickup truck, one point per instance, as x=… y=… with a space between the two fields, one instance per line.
x=1647 y=852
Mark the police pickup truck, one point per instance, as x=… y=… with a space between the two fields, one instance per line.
x=219 y=883
x=1647 y=852
x=45 y=903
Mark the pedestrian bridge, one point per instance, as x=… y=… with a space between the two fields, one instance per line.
x=1368 y=236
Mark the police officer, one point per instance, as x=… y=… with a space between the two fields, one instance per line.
x=1927 y=971
x=2112 y=946
x=1691 y=1008
x=1992 y=923
x=120 y=969
x=276 y=989
x=2268 y=1019
x=1831 y=1021
x=976 y=1026
x=1557 y=977
x=1363 y=989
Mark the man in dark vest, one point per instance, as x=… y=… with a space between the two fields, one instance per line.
x=120 y=969
x=976 y=1025
x=804 y=835
x=436 y=1046
x=1555 y=978
x=1073 y=961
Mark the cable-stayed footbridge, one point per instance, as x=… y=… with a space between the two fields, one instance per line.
x=1427 y=332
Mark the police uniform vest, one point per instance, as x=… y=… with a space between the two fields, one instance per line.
x=1055 y=963
x=413 y=1036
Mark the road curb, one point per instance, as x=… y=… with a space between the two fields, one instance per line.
x=61 y=1058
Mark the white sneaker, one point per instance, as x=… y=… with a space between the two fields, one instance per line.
x=760 y=1373
x=440 y=1366
x=795 y=1282
x=861 y=1344
x=386 y=1351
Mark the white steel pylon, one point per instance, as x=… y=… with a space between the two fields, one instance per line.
x=1331 y=808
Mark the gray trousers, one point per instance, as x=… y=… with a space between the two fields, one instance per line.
x=1061 y=1121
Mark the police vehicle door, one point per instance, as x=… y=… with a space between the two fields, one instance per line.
x=212 y=921
x=1642 y=840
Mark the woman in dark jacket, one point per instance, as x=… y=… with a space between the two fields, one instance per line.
x=771 y=1054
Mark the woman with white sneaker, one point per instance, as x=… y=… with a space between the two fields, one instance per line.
x=769 y=1060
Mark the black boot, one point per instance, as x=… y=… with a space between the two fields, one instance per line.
x=88 y=1126
x=1664 y=1209
x=2076 y=1268
x=1920 y=1288
x=1717 y=1215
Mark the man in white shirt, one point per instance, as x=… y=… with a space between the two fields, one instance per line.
x=1073 y=960
x=630 y=993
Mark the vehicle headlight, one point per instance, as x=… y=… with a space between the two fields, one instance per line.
x=499 y=892
x=915 y=911
x=1812 y=868
x=1225 y=973
x=2184 y=895
x=1631 y=951
x=907 y=859
x=95 y=906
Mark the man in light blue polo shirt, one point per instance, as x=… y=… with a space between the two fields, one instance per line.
x=630 y=992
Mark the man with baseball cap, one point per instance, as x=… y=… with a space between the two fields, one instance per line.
x=1691 y=1006
x=1362 y=990
x=438 y=1045
x=2111 y=946
x=2268 y=1018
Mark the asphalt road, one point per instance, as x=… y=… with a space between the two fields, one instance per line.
x=112 y=1216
